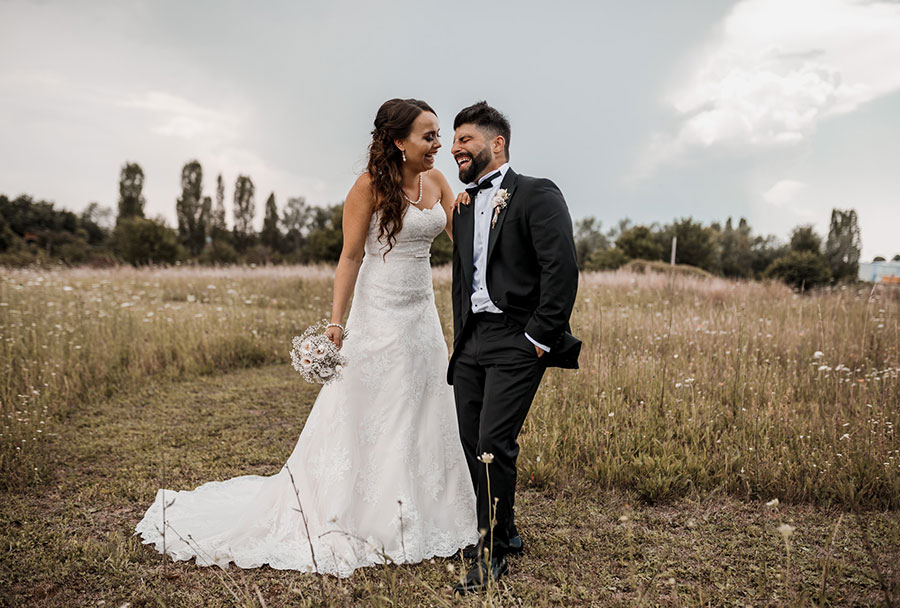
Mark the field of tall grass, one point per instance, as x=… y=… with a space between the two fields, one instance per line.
x=685 y=383
x=696 y=396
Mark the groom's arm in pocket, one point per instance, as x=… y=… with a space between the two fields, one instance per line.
x=550 y=226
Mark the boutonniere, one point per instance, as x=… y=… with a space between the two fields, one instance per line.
x=499 y=202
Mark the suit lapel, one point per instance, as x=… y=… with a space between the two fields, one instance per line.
x=509 y=183
x=464 y=232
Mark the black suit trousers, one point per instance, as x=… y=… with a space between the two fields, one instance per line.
x=496 y=376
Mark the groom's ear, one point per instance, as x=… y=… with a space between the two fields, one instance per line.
x=498 y=146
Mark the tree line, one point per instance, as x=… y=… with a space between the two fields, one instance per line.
x=33 y=231
x=731 y=250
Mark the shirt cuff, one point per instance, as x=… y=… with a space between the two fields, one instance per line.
x=546 y=349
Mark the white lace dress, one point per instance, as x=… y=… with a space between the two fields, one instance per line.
x=378 y=468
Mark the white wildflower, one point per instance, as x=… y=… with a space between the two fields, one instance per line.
x=786 y=530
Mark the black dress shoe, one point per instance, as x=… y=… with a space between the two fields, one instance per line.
x=516 y=547
x=469 y=553
x=477 y=577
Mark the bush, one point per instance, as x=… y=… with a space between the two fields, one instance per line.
x=644 y=266
x=802 y=269
x=441 y=250
x=262 y=255
x=75 y=251
x=640 y=242
x=141 y=241
x=606 y=259
x=219 y=252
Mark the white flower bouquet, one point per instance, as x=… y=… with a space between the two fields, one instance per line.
x=316 y=357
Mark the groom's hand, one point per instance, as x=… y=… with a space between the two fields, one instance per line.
x=539 y=351
x=461 y=199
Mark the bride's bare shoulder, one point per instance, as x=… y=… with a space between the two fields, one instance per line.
x=361 y=191
x=435 y=176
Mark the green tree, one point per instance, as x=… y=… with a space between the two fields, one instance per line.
x=842 y=249
x=763 y=251
x=805 y=238
x=606 y=259
x=140 y=241
x=896 y=258
x=131 y=187
x=271 y=235
x=802 y=269
x=192 y=208
x=243 y=211
x=639 y=242
x=295 y=219
x=325 y=236
x=8 y=238
x=695 y=244
x=735 y=245
x=588 y=238
x=217 y=218
x=95 y=220
x=879 y=258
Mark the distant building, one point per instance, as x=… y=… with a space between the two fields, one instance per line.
x=887 y=273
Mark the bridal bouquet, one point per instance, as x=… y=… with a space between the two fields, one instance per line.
x=315 y=356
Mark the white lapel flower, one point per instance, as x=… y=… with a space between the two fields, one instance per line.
x=499 y=203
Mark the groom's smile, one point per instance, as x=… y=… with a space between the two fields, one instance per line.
x=472 y=151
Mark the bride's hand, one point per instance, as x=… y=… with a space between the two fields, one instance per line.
x=461 y=199
x=336 y=335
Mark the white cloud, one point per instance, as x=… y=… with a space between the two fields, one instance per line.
x=179 y=117
x=783 y=192
x=775 y=70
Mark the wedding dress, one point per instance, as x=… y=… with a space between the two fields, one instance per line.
x=378 y=470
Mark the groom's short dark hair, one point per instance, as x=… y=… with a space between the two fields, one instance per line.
x=486 y=118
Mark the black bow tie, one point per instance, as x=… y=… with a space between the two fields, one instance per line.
x=483 y=185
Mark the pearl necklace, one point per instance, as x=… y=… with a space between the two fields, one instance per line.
x=418 y=200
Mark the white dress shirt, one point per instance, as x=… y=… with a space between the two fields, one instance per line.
x=484 y=213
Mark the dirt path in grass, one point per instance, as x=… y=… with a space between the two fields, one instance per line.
x=68 y=542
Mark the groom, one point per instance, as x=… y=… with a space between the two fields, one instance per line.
x=514 y=283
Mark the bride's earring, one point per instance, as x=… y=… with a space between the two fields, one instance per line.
x=403 y=152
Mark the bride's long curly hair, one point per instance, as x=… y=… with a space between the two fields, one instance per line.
x=393 y=121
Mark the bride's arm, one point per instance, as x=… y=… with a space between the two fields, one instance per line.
x=447 y=201
x=358 y=208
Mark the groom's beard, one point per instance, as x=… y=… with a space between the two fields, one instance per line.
x=479 y=163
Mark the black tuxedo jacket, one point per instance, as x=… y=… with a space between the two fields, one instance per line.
x=532 y=274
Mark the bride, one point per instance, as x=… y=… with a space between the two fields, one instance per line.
x=378 y=473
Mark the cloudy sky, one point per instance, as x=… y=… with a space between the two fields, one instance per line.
x=775 y=110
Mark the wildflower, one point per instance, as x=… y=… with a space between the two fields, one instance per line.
x=818 y=354
x=786 y=530
x=772 y=503
x=623 y=518
x=486 y=458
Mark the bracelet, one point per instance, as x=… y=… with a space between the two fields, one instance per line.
x=336 y=325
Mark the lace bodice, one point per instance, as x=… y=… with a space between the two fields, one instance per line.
x=420 y=227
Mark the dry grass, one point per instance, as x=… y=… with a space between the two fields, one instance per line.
x=691 y=389
x=68 y=542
